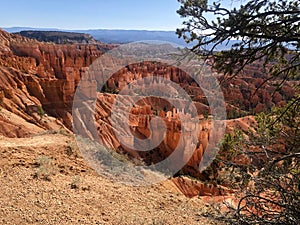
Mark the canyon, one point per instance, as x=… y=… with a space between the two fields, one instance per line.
x=38 y=81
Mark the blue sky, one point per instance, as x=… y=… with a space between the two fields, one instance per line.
x=91 y=14
x=94 y=14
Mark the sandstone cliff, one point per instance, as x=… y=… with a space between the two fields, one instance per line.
x=41 y=74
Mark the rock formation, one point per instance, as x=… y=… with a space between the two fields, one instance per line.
x=46 y=75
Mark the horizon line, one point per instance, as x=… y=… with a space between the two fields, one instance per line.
x=85 y=29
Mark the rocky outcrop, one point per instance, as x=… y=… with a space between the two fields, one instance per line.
x=193 y=187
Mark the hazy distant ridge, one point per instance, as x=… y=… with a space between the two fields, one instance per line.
x=59 y=37
x=123 y=36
